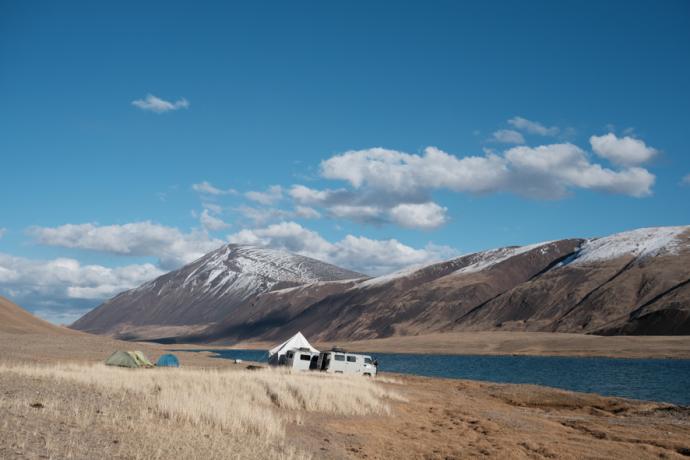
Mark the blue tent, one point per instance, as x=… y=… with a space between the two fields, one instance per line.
x=168 y=360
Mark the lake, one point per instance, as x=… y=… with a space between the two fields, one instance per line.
x=666 y=380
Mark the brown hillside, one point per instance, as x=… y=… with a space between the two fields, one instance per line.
x=16 y=320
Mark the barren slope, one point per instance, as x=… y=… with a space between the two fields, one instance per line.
x=16 y=320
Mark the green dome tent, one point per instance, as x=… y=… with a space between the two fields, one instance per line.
x=131 y=359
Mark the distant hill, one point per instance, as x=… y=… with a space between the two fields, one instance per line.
x=16 y=320
x=635 y=282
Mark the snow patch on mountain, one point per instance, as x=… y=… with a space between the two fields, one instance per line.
x=242 y=271
x=487 y=259
x=383 y=279
x=476 y=262
x=643 y=242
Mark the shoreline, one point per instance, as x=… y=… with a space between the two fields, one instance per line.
x=434 y=417
x=501 y=344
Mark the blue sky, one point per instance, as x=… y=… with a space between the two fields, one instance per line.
x=377 y=134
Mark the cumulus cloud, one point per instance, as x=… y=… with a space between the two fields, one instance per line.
x=550 y=171
x=626 y=151
x=155 y=104
x=169 y=245
x=271 y=196
x=358 y=213
x=685 y=180
x=365 y=255
x=212 y=223
x=508 y=136
x=547 y=171
x=423 y=215
x=410 y=209
x=261 y=216
x=307 y=212
x=208 y=189
x=213 y=207
x=54 y=287
x=532 y=127
x=393 y=172
x=388 y=186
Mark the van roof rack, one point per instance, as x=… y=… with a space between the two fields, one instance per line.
x=338 y=349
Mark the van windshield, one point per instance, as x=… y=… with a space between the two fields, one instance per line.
x=367 y=360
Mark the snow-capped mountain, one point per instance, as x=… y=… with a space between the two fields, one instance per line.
x=208 y=289
x=635 y=282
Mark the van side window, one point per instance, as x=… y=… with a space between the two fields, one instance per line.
x=367 y=360
x=305 y=357
x=340 y=357
x=351 y=359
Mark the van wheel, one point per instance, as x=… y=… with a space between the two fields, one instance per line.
x=366 y=374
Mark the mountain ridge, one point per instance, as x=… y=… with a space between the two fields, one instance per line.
x=608 y=285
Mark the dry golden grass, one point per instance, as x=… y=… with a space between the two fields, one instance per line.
x=240 y=412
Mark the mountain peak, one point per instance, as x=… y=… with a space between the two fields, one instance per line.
x=211 y=287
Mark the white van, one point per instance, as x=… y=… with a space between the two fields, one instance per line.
x=340 y=362
x=301 y=359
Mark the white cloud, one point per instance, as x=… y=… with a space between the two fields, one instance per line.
x=306 y=212
x=208 y=189
x=169 y=245
x=214 y=208
x=261 y=216
x=56 y=286
x=547 y=171
x=272 y=195
x=289 y=236
x=685 y=180
x=158 y=105
x=403 y=174
x=308 y=195
x=2 y=231
x=532 y=127
x=423 y=215
x=389 y=186
x=366 y=255
x=550 y=171
x=508 y=136
x=212 y=223
x=411 y=208
x=626 y=151
x=359 y=213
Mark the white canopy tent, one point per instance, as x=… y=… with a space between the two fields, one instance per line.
x=296 y=341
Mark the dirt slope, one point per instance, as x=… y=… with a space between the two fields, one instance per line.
x=16 y=320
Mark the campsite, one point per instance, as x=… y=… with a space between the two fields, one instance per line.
x=344 y=230
x=60 y=400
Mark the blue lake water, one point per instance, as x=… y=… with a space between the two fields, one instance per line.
x=665 y=380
